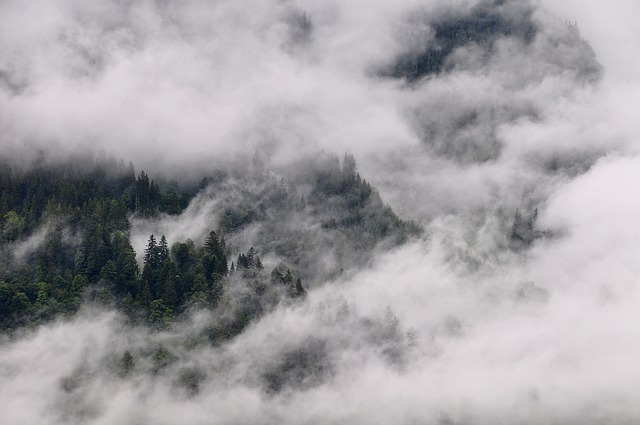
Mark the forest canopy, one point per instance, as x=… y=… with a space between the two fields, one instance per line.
x=66 y=235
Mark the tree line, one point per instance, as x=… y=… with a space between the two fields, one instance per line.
x=65 y=231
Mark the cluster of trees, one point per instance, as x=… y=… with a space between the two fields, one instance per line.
x=68 y=225
x=346 y=202
x=322 y=208
x=53 y=190
x=70 y=221
x=184 y=276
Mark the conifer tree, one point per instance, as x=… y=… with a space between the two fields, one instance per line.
x=298 y=290
x=150 y=253
x=163 y=250
x=250 y=256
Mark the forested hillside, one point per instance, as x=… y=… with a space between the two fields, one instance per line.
x=66 y=239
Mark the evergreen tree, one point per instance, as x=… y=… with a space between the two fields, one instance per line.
x=163 y=250
x=184 y=255
x=151 y=253
x=12 y=227
x=109 y=272
x=298 y=290
x=126 y=264
x=349 y=169
x=250 y=257
x=160 y=316
x=211 y=243
x=216 y=256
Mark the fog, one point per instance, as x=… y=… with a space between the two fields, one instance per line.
x=460 y=326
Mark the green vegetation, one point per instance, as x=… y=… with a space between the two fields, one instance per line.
x=66 y=241
x=74 y=217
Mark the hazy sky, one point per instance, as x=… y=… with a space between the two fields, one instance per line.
x=547 y=335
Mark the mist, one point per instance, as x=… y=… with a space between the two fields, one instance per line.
x=474 y=321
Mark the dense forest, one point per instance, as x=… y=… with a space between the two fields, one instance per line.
x=66 y=239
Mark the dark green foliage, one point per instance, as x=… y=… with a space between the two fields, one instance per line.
x=12 y=227
x=80 y=218
x=144 y=196
x=215 y=258
x=151 y=257
x=78 y=212
x=160 y=315
x=160 y=274
x=59 y=189
x=170 y=202
x=126 y=266
x=181 y=277
x=184 y=254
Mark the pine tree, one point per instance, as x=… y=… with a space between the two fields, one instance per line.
x=109 y=272
x=199 y=283
x=242 y=262
x=211 y=243
x=216 y=250
x=78 y=284
x=250 y=256
x=160 y=315
x=216 y=292
x=142 y=193
x=151 y=253
x=298 y=290
x=126 y=264
x=349 y=171
x=163 y=251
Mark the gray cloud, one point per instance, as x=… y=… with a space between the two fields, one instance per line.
x=461 y=328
